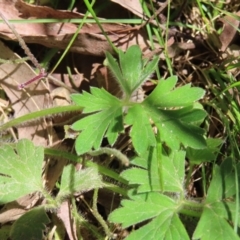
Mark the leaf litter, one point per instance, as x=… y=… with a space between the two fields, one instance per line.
x=185 y=49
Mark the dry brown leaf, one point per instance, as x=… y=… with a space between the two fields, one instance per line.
x=133 y=6
x=35 y=97
x=65 y=215
x=90 y=40
x=60 y=96
x=231 y=25
x=53 y=171
x=13 y=210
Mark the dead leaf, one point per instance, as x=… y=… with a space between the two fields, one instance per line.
x=133 y=6
x=90 y=40
x=13 y=210
x=230 y=28
x=65 y=215
x=54 y=168
x=35 y=97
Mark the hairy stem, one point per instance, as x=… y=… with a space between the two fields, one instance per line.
x=22 y=43
x=111 y=151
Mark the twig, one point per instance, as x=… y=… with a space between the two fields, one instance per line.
x=42 y=73
x=22 y=43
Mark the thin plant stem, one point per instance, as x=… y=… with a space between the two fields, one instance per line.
x=22 y=43
x=27 y=51
x=40 y=76
x=14 y=60
x=71 y=42
x=39 y=114
x=90 y=9
x=111 y=151
x=98 y=216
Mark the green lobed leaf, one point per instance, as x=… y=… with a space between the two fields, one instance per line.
x=131 y=66
x=165 y=223
x=141 y=132
x=94 y=128
x=226 y=175
x=176 y=126
x=21 y=170
x=97 y=100
x=107 y=121
x=211 y=226
x=219 y=205
x=175 y=130
x=31 y=225
x=73 y=181
x=173 y=170
x=141 y=177
x=166 y=226
x=133 y=212
x=131 y=72
x=208 y=154
x=148 y=69
x=112 y=64
x=179 y=97
x=148 y=179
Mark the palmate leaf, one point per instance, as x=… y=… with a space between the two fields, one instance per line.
x=141 y=132
x=112 y=64
x=105 y=120
x=220 y=206
x=173 y=113
x=131 y=72
x=148 y=176
x=211 y=226
x=73 y=181
x=31 y=225
x=164 y=225
x=146 y=203
x=164 y=96
x=21 y=170
x=175 y=126
x=208 y=154
x=131 y=66
x=178 y=126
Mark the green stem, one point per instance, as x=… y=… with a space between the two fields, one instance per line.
x=80 y=221
x=191 y=208
x=77 y=20
x=72 y=157
x=98 y=216
x=111 y=151
x=90 y=9
x=116 y=189
x=71 y=42
x=42 y=113
x=51 y=204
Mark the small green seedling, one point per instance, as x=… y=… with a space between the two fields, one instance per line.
x=172 y=110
